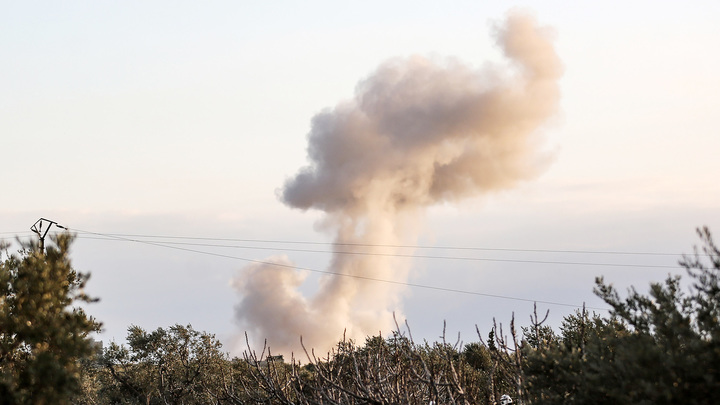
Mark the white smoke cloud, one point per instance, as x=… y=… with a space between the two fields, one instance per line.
x=418 y=132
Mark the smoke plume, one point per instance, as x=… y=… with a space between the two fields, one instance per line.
x=418 y=132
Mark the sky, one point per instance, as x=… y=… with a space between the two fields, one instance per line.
x=183 y=119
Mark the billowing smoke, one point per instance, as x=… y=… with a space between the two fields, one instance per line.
x=418 y=132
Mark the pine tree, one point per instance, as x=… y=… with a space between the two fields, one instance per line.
x=659 y=348
x=43 y=335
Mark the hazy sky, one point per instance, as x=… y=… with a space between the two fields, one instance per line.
x=185 y=119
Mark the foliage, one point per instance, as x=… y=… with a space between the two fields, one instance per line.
x=173 y=365
x=43 y=336
x=180 y=365
x=392 y=370
x=661 y=348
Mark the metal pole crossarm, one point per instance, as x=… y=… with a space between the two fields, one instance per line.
x=38 y=229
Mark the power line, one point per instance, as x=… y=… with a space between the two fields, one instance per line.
x=609 y=252
x=453 y=290
x=413 y=256
x=428 y=247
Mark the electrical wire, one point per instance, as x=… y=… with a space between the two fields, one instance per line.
x=610 y=252
x=172 y=244
x=415 y=285
x=413 y=256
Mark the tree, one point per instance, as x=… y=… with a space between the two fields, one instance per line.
x=43 y=335
x=174 y=365
x=660 y=348
x=392 y=370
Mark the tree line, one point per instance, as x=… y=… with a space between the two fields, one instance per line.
x=659 y=347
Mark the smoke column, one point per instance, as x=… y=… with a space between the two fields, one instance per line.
x=418 y=132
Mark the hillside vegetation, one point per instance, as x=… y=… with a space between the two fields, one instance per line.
x=659 y=347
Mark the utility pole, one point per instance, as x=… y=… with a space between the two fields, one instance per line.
x=38 y=229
